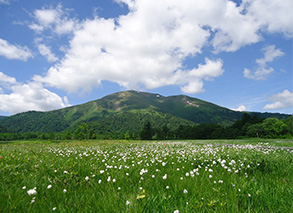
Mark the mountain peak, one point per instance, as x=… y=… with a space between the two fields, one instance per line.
x=126 y=110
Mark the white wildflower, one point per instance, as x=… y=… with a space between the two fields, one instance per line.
x=32 y=192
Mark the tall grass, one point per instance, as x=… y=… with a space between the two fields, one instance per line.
x=144 y=177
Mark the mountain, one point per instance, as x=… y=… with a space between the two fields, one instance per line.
x=126 y=111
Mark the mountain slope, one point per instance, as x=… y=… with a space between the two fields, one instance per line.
x=125 y=111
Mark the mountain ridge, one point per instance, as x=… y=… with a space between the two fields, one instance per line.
x=126 y=111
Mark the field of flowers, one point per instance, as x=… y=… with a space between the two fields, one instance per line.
x=84 y=176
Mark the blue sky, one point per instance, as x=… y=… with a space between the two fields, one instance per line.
x=235 y=54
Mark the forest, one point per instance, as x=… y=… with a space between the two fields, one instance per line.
x=249 y=126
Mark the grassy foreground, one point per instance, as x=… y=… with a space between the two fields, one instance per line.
x=116 y=176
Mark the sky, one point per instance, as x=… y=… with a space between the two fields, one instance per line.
x=236 y=54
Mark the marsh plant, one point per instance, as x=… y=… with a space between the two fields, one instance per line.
x=145 y=177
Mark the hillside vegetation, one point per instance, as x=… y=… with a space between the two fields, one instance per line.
x=126 y=113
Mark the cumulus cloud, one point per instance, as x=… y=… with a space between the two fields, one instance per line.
x=6 y=79
x=281 y=100
x=147 y=47
x=46 y=51
x=263 y=70
x=11 y=51
x=30 y=96
x=273 y=16
x=55 y=19
x=241 y=108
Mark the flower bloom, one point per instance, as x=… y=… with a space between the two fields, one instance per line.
x=64 y=190
x=165 y=177
x=185 y=191
x=176 y=211
x=33 y=200
x=127 y=202
x=31 y=192
x=49 y=186
x=87 y=178
x=54 y=208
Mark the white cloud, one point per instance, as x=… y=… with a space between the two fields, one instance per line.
x=7 y=79
x=274 y=16
x=55 y=19
x=281 y=100
x=30 y=96
x=11 y=51
x=241 y=108
x=46 y=51
x=270 y=53
x=147 y=47
x=263 y=70
x=260 y=73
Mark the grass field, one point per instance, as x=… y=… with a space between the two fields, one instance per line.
x=135 y=176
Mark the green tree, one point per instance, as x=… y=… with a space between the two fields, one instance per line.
x=289 y=122
x=274 y=127
x=147 y=132
x=82 y=132
x=67 y=135
x=255 y=130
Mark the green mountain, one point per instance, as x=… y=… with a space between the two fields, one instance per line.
x=126 y=111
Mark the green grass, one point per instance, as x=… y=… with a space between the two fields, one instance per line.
x=250 y=177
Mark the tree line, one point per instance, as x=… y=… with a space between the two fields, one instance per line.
x=248 y=126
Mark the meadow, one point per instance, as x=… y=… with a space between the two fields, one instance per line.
x=144 y=176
